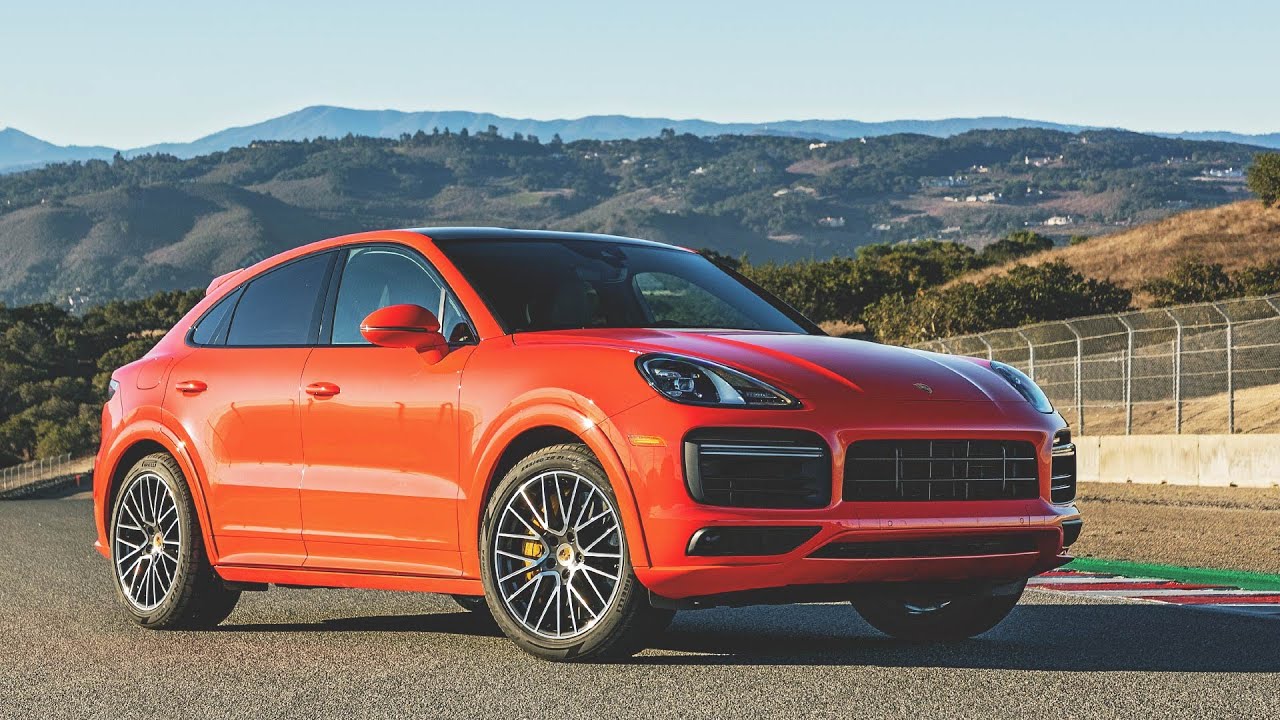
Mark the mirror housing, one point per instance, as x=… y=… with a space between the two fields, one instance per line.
x=406 y=326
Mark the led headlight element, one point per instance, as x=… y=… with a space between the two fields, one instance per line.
x=1025 y=386
x=700 y=382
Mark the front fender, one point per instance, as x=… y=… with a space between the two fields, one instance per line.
x=559 y=409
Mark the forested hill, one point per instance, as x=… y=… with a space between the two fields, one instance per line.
x=82 y=234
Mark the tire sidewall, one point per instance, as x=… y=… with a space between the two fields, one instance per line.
x=614 y=616
x=157 y=465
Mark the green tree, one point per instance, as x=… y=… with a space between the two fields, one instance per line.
x=1260 y=280
x=1192 y=281
x=1027 y=294
x=1264 y=177
x=1015 y=245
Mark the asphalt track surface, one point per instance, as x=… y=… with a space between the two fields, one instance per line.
x=66 y=650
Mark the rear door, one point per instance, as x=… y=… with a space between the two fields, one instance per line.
x=380 y=427
x=237 y=397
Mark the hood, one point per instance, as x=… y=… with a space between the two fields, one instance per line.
x=810 y=366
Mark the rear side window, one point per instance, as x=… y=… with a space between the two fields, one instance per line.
x=211 y=329
x=281 y=308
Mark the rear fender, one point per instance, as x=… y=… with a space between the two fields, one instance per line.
x=149 y=425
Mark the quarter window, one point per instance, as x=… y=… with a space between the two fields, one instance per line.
x=211 y=329
x=281 y=307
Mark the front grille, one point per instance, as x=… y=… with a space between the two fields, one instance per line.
x=1062 y=485
x=894 y=470
x=929 y=548
x=757 y=468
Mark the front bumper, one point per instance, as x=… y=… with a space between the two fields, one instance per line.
x=670 y=518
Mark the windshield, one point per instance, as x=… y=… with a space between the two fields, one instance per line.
x=568 y=284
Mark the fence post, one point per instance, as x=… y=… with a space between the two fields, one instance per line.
x=1079 y=388
x=1128 y=376
x=1031 y=355
x=1231 y=385
x=1177 y=372
x=983 y=338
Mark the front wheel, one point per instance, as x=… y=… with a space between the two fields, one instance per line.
x=555 y=565
x=939 y=614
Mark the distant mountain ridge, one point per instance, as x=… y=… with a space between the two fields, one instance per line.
x=20 y=151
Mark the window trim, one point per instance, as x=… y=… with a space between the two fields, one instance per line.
x=325 y=336
x=316 y=312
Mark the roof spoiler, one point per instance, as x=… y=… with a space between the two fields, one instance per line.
x=218 y=281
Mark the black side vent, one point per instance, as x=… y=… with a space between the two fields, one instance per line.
x=758 y=468
x=1062 y=486
x=924 y=470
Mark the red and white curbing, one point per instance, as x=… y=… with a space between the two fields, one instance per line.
x=1158 y=590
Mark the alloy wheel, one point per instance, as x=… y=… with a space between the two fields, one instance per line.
x=557 y=554
x=148 y=541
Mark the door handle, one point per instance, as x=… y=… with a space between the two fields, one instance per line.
x=323 y=389
x=192 y=386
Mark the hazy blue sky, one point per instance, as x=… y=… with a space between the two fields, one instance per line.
x=138 y=72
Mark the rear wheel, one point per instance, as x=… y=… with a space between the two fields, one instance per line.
x=555 y=565
x=162 y=573
x=934 y=614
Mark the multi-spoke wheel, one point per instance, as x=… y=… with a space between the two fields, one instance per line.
x=147 y=541
x=555 y=564
x=157 y=552
x=939 y=613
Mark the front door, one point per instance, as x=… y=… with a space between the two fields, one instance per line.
x=380 y=429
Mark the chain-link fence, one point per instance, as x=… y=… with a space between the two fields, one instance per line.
x=1203 y=368
x=37 y=470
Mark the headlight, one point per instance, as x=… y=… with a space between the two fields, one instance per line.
x=1025 y=386
x=700 y=382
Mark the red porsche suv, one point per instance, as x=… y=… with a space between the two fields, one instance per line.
x=576 y=434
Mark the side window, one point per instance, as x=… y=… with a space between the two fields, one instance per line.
x=454 y=324
x=375 y=277
x=211 y=329
x=676 y=302
x=281 y=307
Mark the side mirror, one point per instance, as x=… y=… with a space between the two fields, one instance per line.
x=406 y=326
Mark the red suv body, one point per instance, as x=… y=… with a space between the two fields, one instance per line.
x=346 y=414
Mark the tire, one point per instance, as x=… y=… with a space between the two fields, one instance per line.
x=160 y=568
x=532 y=552
x=476 y=604
x=933 y=615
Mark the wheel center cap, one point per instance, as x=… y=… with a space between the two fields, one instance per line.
x=157 y=541
x=564 y=554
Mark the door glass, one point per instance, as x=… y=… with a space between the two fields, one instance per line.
x=280 y=308
x=376 y=277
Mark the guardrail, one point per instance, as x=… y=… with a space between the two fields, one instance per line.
x=38 y=471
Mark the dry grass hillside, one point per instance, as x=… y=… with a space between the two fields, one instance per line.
x=1236 y=235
